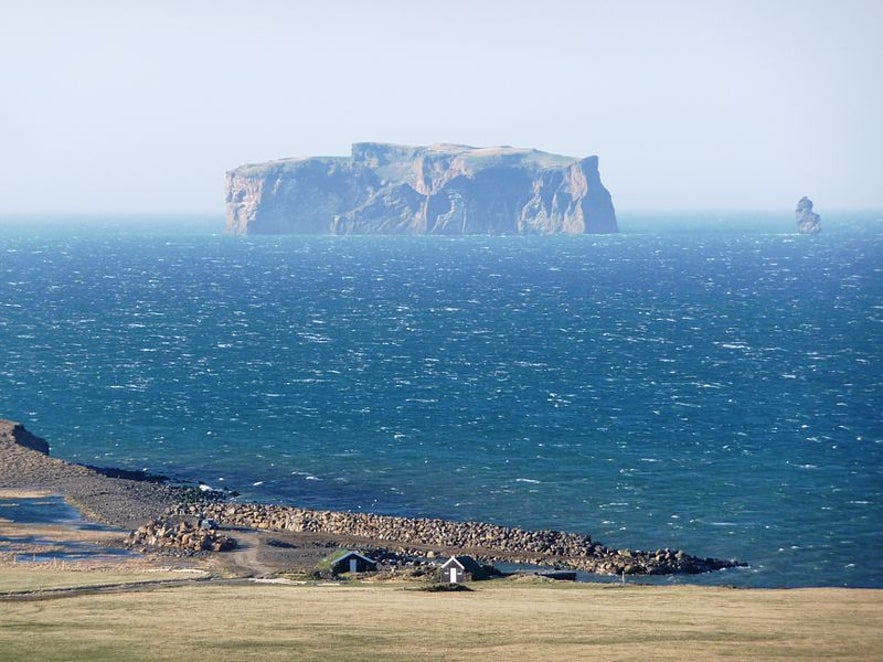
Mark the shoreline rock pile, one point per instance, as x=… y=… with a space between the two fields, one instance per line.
x=412 y=536
x=182 y=537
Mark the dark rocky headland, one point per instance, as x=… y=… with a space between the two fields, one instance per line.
x=436 y=190
x=166 y=519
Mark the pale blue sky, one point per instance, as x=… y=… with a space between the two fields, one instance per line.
x=140 y=107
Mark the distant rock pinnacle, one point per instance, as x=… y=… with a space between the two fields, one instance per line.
x=808 y=222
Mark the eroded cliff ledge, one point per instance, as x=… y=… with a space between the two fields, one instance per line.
x=440 y=189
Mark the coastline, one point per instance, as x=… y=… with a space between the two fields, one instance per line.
x=163 y=518
x=120 y=502
x=167 y=606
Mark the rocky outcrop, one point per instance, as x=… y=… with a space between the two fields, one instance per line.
x=808 y=222
x=440 y=189
x=15 y=433
x=24 y=463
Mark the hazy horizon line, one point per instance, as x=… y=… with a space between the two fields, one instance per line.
x=627 y=211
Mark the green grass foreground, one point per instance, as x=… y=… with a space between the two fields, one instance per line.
x=497 y=620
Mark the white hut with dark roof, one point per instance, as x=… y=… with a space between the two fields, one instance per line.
x=458 y=569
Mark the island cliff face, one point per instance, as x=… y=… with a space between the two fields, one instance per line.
x=440 y=189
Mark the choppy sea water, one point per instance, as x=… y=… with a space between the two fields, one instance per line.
x=716 y=390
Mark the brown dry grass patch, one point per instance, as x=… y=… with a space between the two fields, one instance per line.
x=498 y=620
x=19 y=578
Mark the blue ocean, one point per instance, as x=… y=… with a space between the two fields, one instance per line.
x=701 y=382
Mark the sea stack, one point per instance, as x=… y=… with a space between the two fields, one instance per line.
x=438 y=189
x=808 y=222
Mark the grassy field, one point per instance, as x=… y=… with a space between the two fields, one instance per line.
x=497 y=620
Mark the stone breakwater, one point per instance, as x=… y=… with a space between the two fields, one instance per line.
x=427 y=537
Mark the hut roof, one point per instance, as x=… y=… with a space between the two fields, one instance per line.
x=343 y=554
x=466 y=564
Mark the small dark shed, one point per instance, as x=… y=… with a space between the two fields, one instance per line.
x=348 y=561
x=459 y=569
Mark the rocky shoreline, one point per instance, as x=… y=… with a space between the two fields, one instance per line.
x=124 y=503
x=416 y=536
x=175 y=519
